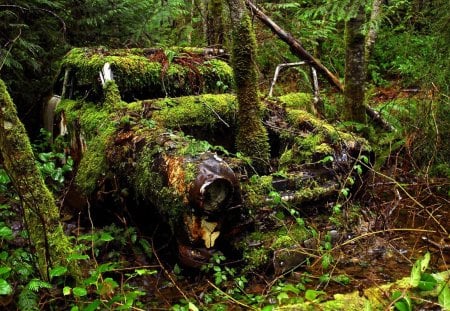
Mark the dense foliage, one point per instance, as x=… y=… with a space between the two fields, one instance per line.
x=408 y=82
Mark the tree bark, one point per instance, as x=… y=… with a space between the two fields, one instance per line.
x=355 y=68
x=252 y=138
x=41 y=215
x=377 y=8
x=214 y=24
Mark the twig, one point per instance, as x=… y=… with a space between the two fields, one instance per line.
x=167 y=273
x=368 y=234
x=231 y=298
x=217 y=115
x=408 y=195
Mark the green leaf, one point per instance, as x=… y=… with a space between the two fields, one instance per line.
x=106 y=237
x=36 y=284
x=79 y=291
x=57 y=271
x=403 y=303
x=77 y=257
x=425 y=261
x=4 y=270
x=6 y=233
x=427 y=282
x=268 y=308
x=444 y=297
x=281 y=296
x=5 y=287
x=147 y=272
x=327 y=159
x=364 y=158
x=93 y=306
x=290 y=288
x=345 y=192
x=192 y=307
x=67 y=290
x=312 y=295
x=416 y=272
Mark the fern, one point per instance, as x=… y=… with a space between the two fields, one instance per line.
x=28 y=300
x=35 y=285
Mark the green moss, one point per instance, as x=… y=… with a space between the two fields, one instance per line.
x=149 y=185
x=97 y=126
x=373 y=298
x=256 y=258
x=313 y=192
x=93 y=164
x=319 y=140
x=190 y=172
x=40 y=213
x=297 y=101
x=252 y=137
x=203 y=110
x=260 y=256
x=112 y=94
x=135 y=73
x=256 y=191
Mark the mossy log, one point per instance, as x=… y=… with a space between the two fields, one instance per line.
x=161 y=152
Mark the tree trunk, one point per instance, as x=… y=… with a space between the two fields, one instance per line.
x=377 y=8
x=41 y=215
x=355 y=69
x=214 y=24
x=252 y=138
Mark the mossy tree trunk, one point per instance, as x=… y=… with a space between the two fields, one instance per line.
x=355 y=69
x=252 y=138
x=40 y=213
x=215 y=24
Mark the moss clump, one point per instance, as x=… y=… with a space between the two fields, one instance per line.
x=302 y=101
x=314 y=192
x=318 y=140
x=96 y=126
x=112 y=94
x=204 y=110
x=257 y=190
x=256 y=258
x=258 y=247
x=93 y=164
